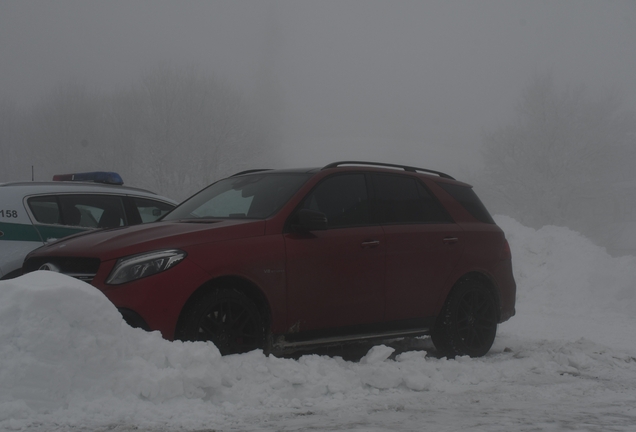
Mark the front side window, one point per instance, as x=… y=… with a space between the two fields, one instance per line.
x=343 y=199
x=404 y=200
x=254 y=196
x=151 y=210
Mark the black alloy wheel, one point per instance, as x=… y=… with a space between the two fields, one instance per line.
x=468 y=322
x=227 y=318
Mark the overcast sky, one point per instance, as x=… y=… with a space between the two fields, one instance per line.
x=410 y=82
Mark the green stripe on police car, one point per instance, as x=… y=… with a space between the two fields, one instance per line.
x=19 y=232
x=35 y=233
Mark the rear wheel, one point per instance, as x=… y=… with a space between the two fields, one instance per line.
x=467 y=324
x=226 y=317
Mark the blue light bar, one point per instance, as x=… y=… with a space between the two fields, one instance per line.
x=96 y=176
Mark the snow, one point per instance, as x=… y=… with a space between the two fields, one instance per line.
x=566 y=361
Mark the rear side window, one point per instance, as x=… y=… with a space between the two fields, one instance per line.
x=45 y=209
x=469 y=200
x=401 y=200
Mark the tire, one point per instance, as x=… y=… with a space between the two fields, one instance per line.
x=467 y=324
x=227 y=318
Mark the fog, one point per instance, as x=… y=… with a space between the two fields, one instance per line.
x=412 y=82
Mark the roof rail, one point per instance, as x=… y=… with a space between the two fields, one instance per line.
x=404 y=167
x=250 y=171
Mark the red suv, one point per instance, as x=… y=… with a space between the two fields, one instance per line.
x=286 y=260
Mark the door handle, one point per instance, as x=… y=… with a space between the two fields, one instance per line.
x=450 y=240
x=370 y=243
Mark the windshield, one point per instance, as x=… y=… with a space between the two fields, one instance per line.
x=255 y=196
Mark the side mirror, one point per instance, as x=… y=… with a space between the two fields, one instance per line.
x=310 y=220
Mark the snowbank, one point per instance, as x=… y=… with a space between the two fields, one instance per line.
x=557 y=265
x=69 y=362
x=62 y=343
x=570 y=288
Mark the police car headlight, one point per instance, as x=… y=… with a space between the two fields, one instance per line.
x=147 y=264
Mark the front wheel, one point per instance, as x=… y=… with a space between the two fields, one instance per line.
x=226 y=317
x=467 y=324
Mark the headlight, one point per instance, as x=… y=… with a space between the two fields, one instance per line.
x=139 y=266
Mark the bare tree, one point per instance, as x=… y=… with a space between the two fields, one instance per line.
x=557 y=161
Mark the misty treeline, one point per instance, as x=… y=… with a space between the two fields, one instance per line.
x=173 y=131
x=567 y=159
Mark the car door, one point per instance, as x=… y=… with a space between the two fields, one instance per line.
x=423 y=245
x=335 y=276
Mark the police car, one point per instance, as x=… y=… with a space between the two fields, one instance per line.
x=34 y=213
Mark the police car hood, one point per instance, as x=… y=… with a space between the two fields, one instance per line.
x=117 y=242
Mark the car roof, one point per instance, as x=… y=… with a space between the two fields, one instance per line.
x=28 y=188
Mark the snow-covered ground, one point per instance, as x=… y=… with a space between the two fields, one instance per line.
x=567 y=361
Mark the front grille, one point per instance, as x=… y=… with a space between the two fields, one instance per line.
x=83 y=269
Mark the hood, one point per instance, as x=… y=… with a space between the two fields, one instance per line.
x=117 y=242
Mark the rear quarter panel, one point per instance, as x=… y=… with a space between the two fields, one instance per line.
x=483 y=253
x=483 y=246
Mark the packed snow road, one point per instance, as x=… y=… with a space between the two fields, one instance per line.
x=566 y=362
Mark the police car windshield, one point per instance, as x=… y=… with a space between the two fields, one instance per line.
x=254 y=196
